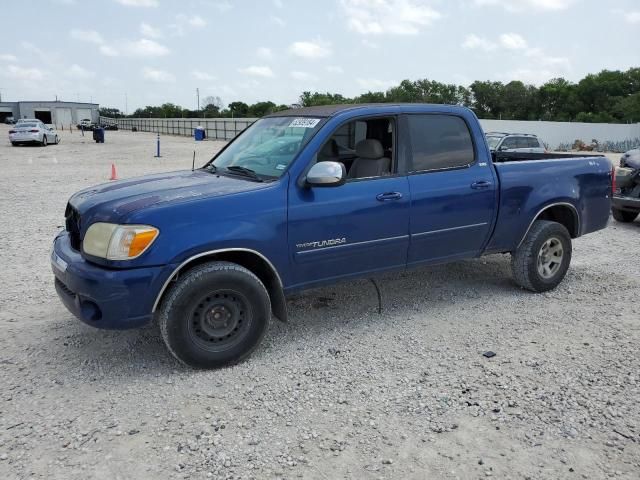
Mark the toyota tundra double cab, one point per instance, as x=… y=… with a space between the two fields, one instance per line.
x=308 y=197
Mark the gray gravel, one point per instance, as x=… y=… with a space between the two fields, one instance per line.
x=339 y=392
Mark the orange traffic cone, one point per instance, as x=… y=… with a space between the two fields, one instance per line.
x=114 y=175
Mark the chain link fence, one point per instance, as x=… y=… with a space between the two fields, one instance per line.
x=215 y=128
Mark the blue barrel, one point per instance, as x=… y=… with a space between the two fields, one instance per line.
x=198 y=134
x=98 y=134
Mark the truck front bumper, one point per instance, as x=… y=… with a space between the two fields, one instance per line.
x=626 y=203
x=102 y=297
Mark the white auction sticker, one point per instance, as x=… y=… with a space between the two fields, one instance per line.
x=304 y=122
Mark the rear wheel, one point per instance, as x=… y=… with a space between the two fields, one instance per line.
x=14 y=144
x=624 y=216
x=542 y=259
x=44 y=142
x=215 y=315
x=57 y=140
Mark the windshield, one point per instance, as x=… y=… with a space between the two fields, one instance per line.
x=493 y=142
x=268 y=146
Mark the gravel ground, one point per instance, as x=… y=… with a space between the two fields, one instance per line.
x=339 y=392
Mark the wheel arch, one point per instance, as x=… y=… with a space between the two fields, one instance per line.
x=564 y=213
x=252 y=260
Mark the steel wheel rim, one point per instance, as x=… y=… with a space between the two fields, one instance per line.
x=220 y=320
x=550 y=258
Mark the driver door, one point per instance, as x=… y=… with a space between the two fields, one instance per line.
x=348 y=230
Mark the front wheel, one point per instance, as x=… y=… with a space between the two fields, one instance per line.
x=624 y=216
x=542 y=259
x=215 y=315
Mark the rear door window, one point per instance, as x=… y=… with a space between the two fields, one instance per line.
x=439 y=142
x=522 y=142
x=533 y=142
x=510 y=143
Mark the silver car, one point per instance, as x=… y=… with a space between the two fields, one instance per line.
x=514 y=142
x=32 y=131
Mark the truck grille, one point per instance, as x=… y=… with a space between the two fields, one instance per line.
x=72 y=223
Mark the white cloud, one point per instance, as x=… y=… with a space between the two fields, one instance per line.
x=513 y=41
x=397 y=17
x=277 y=20
x=138 y=3
x=196 y=21
x=159 y=76
x=7 y=57
x=223 y=6
x=303 y=76
x=144 y=48
x=90 y=36
x=376 y=84
x=542 y=58
x=369 y=44
x=264 y=53
x=20 y=73
x=148 y=31
x=184 y=22
x=258 y=71
x=527 y=5
x=109 y=51
x=200 y=75
x=473 y=42
x=278 y=3
x=335 y=69
x=632 y=17
x=317 y=49
x=77 y=71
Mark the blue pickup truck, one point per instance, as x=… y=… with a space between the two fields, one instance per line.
x=307 y=197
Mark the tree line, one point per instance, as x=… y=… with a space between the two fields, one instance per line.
x=611 y=96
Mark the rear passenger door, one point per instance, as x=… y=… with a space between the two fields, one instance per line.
x=453 y=188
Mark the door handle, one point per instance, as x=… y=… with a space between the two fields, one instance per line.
x=385 y=197
x=480 y=184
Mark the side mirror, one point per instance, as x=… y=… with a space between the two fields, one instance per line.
x=327 y=174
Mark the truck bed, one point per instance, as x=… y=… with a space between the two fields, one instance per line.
x=529 y=182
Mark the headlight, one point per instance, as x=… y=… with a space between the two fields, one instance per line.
x=118 y=242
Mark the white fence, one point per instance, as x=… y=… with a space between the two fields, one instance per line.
x=215 y=128
x=616 y=137
x=556 y=135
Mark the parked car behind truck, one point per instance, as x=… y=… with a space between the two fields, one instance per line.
x=213 y=253
x=514 y=142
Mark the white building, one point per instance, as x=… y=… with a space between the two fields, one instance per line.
x=52 y=113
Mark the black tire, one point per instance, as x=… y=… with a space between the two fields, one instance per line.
x=44 y=142
x=14 y=144
x=57 y=139
x=624 y=216
x=215 y=315
x=527 y=271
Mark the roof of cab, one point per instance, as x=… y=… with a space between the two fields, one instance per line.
x=331 y=110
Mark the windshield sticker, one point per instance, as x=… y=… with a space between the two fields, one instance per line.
x=304 y=122
x=281 y=166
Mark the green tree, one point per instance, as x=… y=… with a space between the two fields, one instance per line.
x=110 y=112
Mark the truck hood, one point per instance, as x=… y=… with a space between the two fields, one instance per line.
x=119 y=198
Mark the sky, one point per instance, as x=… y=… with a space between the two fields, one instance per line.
x=131 y=53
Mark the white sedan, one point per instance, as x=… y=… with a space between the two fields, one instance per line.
x=32 y=131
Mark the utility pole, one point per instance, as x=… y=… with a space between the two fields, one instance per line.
x=125 y=104
x=198 y=95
